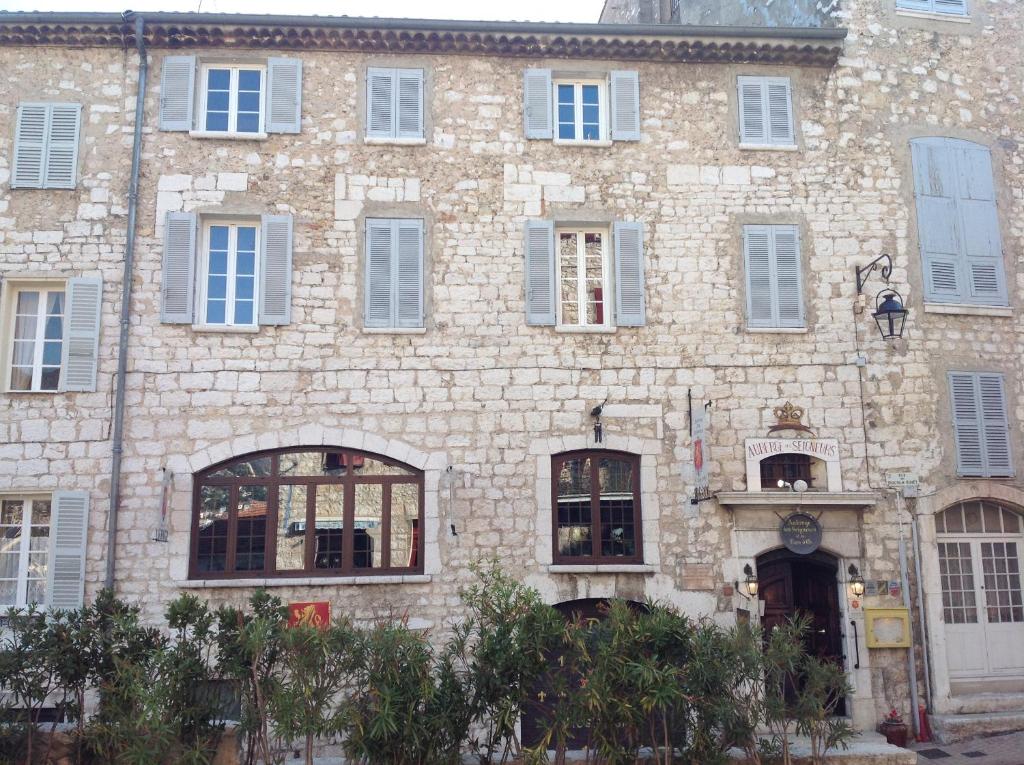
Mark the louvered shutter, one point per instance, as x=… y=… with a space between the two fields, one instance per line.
x=780 y=111
x=540 y=272
x=766 y=111
x=177 y=88
x=284 y=95
x=62 y=146
x=774 y=281
x=178 y=276
x=915 y=5
x=65 y=569
x=409 y=105
x=937 y=225
x=970 y=454
x=624 y=87
x=408 y=263
x=757 y=253
x=753 y=125
x=380 y=103
x=377 y=310
x=630 y=310
x=81 y=334
x=955 y=7
x=995 y=426
x=788 y=292
x=30 y=146
x=537 y=103
x=275 y=269
x=983 y=265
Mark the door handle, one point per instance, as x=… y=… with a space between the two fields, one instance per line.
x=856 y=644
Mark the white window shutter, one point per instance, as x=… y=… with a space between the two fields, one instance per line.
x=81 y=334
x=30 y=146
x=538 y=100
x=955 y=7
x=780 y=111
x=624 y=87
x=178 y=274
x=408 y=277
x=65 y=570
x=757 y=254
x=983 y=250
x=753 y=121
x=995 y=425
x=409 y=102
x=970 y=455
x=380 y=103
x=789 y=288
x=177 y=89
x=377 y=307
x=284 y=95
x=630 y=309
x=62 y=146
x=275 y=269
x=541 y=284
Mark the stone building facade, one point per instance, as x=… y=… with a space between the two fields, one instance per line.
x=398 y=226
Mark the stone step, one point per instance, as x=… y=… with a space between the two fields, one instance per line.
x=979 y=703
x=948 y=729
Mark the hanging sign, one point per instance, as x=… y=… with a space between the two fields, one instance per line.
x=316 y=614
x=167 y=484
x=800 y=533
x=700 y=465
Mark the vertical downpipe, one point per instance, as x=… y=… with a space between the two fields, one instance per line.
x=126 y=302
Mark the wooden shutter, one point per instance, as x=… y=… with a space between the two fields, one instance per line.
x=757 y=253
x=995 y=425
x=753 y=125
x=380 y=103
x=284 y=95
x=409 y=103
x=982 y=246
x=624 y=87
x=915 y=5
x=62 y=146
x=540 y=272
x=408 y=277
x=774 y=281
x=177 y=88
x=766 y=111
x=788 y=290
x=537 y=103
x=630 y=310
x=970 y=455
x=30 y=146
x=275 y=269
x=377 y=309
x=81 y=334
x=65 y=569
x=779 y=104
x=956 y=7
x=178 y=277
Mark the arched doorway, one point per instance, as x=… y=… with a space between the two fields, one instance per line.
x=792 y=584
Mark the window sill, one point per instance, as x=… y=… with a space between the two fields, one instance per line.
x=968 y=310
x=394 y=330
x=777 y=330
x=769 y=147
x=229 y=136
x=603 y=144
x=373 y=140
x=226 y=329
x=956 y=18
x=569 y=329
x=602 y=568
x=306 y=581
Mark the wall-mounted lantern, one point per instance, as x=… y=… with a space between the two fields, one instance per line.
x=890 y=314
x=856 y=581
x=749 y=583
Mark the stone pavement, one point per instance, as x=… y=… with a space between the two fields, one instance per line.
x=993 y=750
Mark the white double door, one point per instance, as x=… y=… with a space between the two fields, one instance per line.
x=982 y=606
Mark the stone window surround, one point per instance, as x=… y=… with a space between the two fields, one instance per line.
x=796 y=77
x=395 y=62
x=10 y=285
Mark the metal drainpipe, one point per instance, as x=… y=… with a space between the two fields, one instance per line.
x=126 y=302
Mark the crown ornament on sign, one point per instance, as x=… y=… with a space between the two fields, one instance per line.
x=789 y=417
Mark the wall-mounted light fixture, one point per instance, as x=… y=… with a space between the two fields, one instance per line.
x=596 y=414
x=749 y=583
x=856 y=581
x=890 y=314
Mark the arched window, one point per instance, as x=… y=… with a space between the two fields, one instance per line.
x=596 y=507
x=307 y=512
x=786 y=467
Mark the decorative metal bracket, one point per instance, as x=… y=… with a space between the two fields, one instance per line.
x=863 y=273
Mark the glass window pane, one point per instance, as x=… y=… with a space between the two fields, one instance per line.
x=291 y=528
x=51 y=354
x=216 y=286
x=365 y=466
x=219 y=242
x=243 y=312
x=9 y=561
x=313 y=463
x=248 y=101
x=1011 y=522
x=28 y=303
x=249 y=79
x=954 y=520
x=618 y=530
x=972 y=518
x=248 y=123
x=594 y=264
x=11 y=512
x=216 y=311
x=405 y=502
x=244 y=287
x=251 y=537
x=217 y=121
x=257 y=467
x=219 y=79
x=369 y=516
x=25 y=328
x=568 y=262
x=21 y=378
x=329 y=532
x=217 y=101
x=50 y=379
x=212 y=545
x=990 y=513
x=54 y=328
x=36 y=591
x=8 y=592
x=246 y=243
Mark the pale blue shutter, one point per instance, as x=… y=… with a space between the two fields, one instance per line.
x=178 y=273
x=630 y=310
x=995 y=425
x=915 y=5
x=773 y=276
x=30 y=146
x=954 y=7
x=765 y=111
x=753 y=121
x=284 y=95
x=407 y=261
x=537 y=103
x=757 y=254
x=377 y=309
x=80 y=349
x=967 y=424
x=380 y=103
x=62 y=146
x=177 y=88
x=983 y=251
x=541 y=284
x=779 y=103
x=409 y=102
x=275 y=270
x=624 y=87
x=65 y=568
x=789 y=302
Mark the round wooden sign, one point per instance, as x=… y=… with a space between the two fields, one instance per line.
x=801 y=533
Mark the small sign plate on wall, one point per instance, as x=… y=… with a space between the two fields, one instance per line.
x=887 y=627
x=316 y=614
x=800 y=533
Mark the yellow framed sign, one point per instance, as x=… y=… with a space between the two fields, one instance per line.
x=887 y=627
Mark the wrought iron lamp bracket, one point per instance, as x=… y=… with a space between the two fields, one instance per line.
x=862 y=273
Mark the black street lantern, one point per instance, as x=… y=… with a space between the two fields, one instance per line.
x=856 y=581
x=890 y=315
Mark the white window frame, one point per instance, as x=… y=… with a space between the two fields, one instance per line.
x=234 y=69
x=229 y=295
x=11 y=289
x=607 y=285
x=21 y=586
x=602 y=112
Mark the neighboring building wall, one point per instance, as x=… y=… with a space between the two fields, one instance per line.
x=751 y=13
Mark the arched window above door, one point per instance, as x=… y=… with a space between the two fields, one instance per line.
x=978 y=517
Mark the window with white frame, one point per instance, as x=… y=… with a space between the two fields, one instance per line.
x=230 y=273
x=584 y=284
x=24 y=550
x=37 y=340
x=581 y=111
x=232 y=99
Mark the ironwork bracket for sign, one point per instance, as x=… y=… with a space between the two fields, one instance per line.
x=863 y=273
x=700 y=495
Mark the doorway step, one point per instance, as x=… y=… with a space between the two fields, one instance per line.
x=950 y=728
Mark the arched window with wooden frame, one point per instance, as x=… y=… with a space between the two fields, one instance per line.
x=595 y=503
x=307 y=512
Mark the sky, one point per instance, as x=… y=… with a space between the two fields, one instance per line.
x=492 y=10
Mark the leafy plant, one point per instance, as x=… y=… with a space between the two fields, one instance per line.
x=25 y=676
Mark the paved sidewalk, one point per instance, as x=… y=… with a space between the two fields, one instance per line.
x=994 y=750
